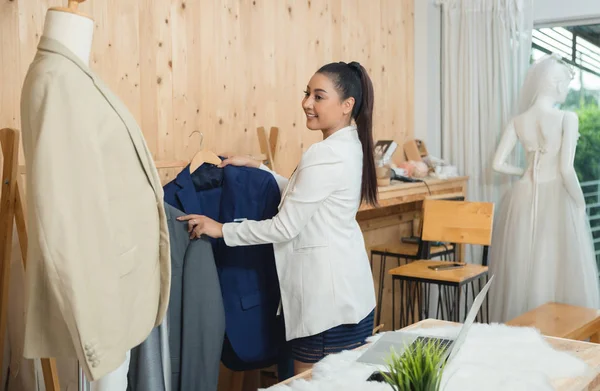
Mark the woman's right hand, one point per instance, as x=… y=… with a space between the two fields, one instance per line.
x=240 y=161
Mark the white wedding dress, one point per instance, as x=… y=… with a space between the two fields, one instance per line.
x=542 y=248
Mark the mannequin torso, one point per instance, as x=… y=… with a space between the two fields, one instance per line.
x=74 y=31
x=549 y=136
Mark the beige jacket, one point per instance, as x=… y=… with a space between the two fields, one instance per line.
x=98 y=268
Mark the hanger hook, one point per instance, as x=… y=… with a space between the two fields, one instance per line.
x=201 y=136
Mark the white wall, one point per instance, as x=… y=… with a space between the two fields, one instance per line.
x=565 y=11
x=427 y=75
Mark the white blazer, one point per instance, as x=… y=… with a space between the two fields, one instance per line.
x=322 y=263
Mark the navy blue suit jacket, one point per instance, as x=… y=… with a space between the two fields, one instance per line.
x=248 y=277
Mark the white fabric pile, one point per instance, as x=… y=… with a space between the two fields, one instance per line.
x=493 y=357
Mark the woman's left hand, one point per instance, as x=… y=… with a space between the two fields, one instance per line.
x=201 y=225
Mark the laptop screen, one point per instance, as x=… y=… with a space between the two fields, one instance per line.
x=462 y=334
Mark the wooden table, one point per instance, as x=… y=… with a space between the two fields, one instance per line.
x=399 y=205
x=588 y=352
x=562 y=320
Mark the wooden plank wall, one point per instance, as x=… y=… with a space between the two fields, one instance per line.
x=225 y=67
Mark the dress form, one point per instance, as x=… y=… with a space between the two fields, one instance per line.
x=71 y=28
x=542 y=247
x=544 y=106
x=74 y=29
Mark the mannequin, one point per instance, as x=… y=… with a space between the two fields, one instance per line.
x=95 y=295
x=75 y=30
x=542 y=247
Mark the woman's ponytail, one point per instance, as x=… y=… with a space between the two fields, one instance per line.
x=352 y=80
x=364 y=123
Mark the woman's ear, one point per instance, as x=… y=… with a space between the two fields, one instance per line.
x=348 y=105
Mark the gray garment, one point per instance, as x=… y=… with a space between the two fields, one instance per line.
x=195 y=317
x=150 y=363
x=196 y=313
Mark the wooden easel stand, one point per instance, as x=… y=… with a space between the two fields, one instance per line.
x=12 y=209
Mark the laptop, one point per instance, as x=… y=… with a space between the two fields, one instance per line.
x=400 y=341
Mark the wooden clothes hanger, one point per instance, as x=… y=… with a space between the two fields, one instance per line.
x=203 y=156
x=72 y=8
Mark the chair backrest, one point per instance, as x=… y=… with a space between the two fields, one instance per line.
x=445 y=197
x=268 y=145
x=458 y=221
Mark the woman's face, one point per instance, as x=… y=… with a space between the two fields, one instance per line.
x=323 y=106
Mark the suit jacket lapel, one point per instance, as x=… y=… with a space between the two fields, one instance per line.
x=229 y=207
x=130 y=123
x=187 y=193
x=132 y=127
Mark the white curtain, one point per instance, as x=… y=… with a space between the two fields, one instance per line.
x=486 y=46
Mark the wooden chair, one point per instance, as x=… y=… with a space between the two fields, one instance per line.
x=562 y=321
x=407 y=251
x=268 y=145
x=456 y=222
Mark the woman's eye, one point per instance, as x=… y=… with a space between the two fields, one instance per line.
x=306 y=93
x=317 y=97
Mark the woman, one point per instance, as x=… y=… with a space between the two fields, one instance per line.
x=327 y=290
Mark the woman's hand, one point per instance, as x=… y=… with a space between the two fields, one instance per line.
x=240 y=161
x=201 y=225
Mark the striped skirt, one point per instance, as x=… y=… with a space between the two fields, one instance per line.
x=344 y=337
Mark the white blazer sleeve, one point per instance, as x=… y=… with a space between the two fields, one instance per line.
x=318 y=176
x=282 y=181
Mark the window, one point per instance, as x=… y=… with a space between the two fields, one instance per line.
x=580 y=46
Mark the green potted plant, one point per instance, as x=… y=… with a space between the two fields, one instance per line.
x=418 y=368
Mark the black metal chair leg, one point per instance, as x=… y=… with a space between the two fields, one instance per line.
x=406 y=302
x=400 y=304
x=466 y=299
x=448 y=301
x=393 y=304
x=413 y=301
x=420 y=296
x=457 y=304
x=439 y=306
x=409 y=302
x=487 y=306
x=478 y=317
x=380 y=293
x=426 y=300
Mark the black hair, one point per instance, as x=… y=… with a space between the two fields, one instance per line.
x=352 y=80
